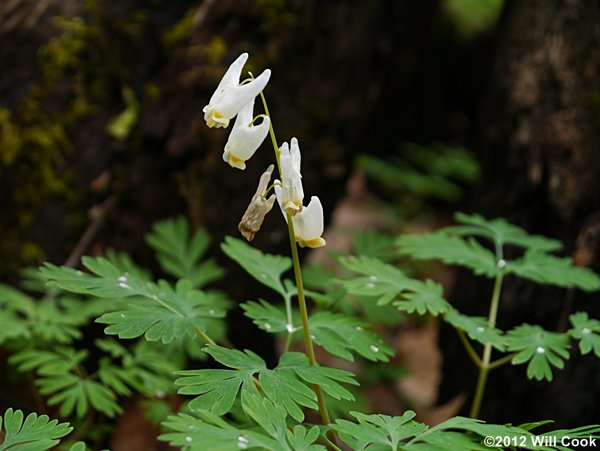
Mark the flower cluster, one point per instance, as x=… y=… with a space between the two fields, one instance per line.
x=234 y=98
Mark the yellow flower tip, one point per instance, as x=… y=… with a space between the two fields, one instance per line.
x=293 y=207
x=236 y=162
x=214 y=119
x=314 y=243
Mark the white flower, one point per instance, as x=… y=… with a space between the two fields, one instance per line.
x=308 y=223
x=230 y=97
x=245 y=138
x=292 y=192
x=258 y=208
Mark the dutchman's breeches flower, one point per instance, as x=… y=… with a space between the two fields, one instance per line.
x=245 y=138
x=231 y=96
x=308 y=223
x=292 y=192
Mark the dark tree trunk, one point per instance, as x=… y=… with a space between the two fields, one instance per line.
x=539 y=141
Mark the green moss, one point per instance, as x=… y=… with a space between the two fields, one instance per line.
x=179 y=31
x=473 y=16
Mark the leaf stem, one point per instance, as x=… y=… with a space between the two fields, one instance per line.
x=204 y=336
x=485 y=368
x=501 y=361
x=467 y=344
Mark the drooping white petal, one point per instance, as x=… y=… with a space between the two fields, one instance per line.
x=230 y=97
x=245 y=139
x=308 y=224
x=291 y=184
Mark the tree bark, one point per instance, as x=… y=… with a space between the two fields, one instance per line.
x=538 y=139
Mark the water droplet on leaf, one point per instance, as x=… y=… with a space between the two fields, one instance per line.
x=242 y=442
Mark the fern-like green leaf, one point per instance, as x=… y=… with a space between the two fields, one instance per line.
x=548 y=269
x=179 y=252
x=286 y=384
x=59 y=361
x=219 y=388
x=450 y=249
x=425 y=297
x=388 y=283
x=267 y=316
x=500 y=233
x=265 y=268
x=36 y=433
x=378 y=431
x=477 y=328
x=12 y=327
x=542 y=349
x=587 y=331
x=211 y=432
x=76 y=395
x=378 y=279
x=343 y=335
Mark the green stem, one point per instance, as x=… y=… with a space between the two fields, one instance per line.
x=467 y=344
x=502 y=361
x=484 y=369
x=205 y=337
x=271 y=132
x=287 y=299
x=310 y=352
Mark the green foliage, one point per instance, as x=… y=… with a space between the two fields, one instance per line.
x=339 y=334
x=477 y=328
x=265 y=268
x=142 y=368
x=388 y=283
x=449 y=249
x=209 y=431
x=50 y=320
x=500 y=233
x=548 y=269
x=36 y=433
x=343 y=335
x=170 y=313
x=120 y=126
x=382 y=432
x=287 y=384
x=61 y=377
x=587 y=331
x=179 y=252
x=542 y=349
x=245 y=404
x=423 y=173
x=472 y=16
x=267 y=317
x=456 y=245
